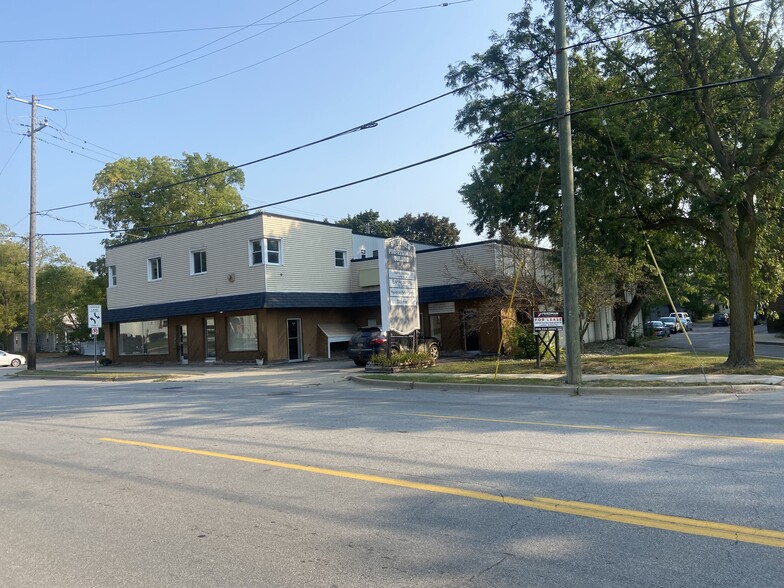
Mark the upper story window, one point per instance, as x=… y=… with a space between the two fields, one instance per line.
x=268 y=251
x=198 y=262
x=256 y=251
x=274 y=252
x=154 y=269
x=341 y=258
x=112 y=276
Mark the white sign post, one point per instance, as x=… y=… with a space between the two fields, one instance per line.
x=95 y=322
x=398 y=286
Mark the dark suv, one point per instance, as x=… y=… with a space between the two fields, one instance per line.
x=721 y=319
x=370 y=341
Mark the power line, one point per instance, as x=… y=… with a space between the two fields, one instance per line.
x=252 y=65
x=363 y=127
x=85 y=141
x=76 y=145
x=181 y=55
x=71 y=150
x=10 y=157
x=658 y=25
x=218 y=28
x=500 y=137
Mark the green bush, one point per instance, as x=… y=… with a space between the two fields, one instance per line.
x=403 y=358
x=634 y=339
x=522 y=342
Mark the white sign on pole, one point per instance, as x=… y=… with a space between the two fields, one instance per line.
x=94 y=316
x=94 y=331
x=398 y=286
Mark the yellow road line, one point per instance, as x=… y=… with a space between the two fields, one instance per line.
x=583 y=509
x=771 y=441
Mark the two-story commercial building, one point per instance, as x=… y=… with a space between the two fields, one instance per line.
x=279 y=288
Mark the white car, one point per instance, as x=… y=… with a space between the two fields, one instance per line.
x=685 y=319
x=12 y=359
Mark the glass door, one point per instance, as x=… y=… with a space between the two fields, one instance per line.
x=210 y=354
x=182 y=343
x=294 y=328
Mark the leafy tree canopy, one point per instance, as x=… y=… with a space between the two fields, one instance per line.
x=60 y=297
x=701 y=163
x=423 y=228
x=13 y=281
x=369 y=223
x=142 y=197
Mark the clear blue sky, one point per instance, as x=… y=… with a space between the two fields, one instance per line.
x=320 y=71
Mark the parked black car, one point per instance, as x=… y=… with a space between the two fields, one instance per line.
x=370 y=341
x=721 y=319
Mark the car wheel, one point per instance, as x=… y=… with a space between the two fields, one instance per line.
x=360 y=362
x=433 y=351
x=15 y=363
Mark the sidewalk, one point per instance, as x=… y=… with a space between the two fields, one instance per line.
x=762 y=337
x=324 y=372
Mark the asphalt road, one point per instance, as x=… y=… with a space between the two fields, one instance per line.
x=709 y=339
x=304 y=479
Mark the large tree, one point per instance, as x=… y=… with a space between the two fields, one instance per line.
x=687 y=135
x=368 y=222
x=427 y=228
x=13 y=281
x=423 y=228
x=61 y=304
x=148 y=197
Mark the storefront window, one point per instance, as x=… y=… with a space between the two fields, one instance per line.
x=242 y=333
x=144 y=338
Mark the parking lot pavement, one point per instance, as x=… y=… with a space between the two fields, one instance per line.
x=310 y=372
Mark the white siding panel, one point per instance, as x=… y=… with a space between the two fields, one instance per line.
x=456 y=265
x=226 y=245
x=308 y=256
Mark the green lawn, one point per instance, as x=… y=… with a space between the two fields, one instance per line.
x=632 y=360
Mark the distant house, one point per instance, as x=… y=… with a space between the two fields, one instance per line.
x=281 y=288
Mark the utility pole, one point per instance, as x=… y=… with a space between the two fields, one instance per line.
x=569 y=246
x=31 y=259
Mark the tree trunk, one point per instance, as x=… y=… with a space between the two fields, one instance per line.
x=739 y=249
x=624 y=316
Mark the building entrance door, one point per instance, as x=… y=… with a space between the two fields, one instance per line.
x=470 y=330
x=294 y=328
x=210 y=354
x=182 y=343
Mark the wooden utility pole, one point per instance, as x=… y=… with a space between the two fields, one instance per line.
x=33 y=236
x=569 y=246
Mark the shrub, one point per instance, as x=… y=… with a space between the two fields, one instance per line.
x=634 y=339
x=522 y=342
x=403 y=358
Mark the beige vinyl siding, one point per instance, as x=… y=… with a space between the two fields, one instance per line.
x=308 y=256
x=453 y=266
x=227 y=254
x=364 y=275
x=308 y=262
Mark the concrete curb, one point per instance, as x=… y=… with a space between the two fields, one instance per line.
x=569 y=390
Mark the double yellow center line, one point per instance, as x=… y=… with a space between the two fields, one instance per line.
x=582 y=509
